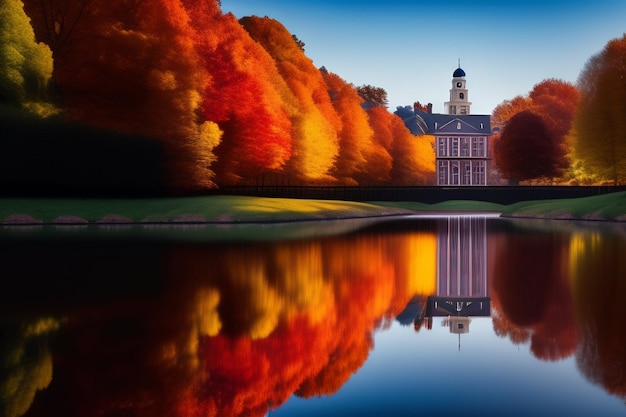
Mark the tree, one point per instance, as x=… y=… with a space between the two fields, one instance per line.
x=132 y=66
x=243 y=98
x=413 y=156
x=553 y=100
x=356 y=137
x=600 y=122
x=374 y=96
x=25 y=65
x=298 y=42
x=315 y=120
x=526 y=150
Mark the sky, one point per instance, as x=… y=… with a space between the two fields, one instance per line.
x=411 y=47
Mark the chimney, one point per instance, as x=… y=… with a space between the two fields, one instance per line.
x=430 y=108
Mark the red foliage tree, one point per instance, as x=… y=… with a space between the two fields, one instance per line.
x=241 y=97
x=526 y=150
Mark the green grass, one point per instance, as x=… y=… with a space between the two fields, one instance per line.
x=220 y=209
x=239 y=209
x=610 y=206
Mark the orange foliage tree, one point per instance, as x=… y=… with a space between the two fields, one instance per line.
x=408 y=159
x=316 y=123
x=132 y=66
x=356 y=137
x=413 y=156
x=380 y=163
x=241 y=98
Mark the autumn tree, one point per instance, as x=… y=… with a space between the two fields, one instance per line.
x=356 y=137
x=380 y=163
x=504 y=111
x=375 y=96
x=315 y=121
x=413 y=156
x=526 y=150
x=553 y=100
x=132 y=66
x=600 y=122
x=25 y=65
x=246 y=97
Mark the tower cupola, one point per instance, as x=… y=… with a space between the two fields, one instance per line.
x=459 y=101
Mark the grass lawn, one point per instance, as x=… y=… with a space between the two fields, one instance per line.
x=219 y=209
x=239 y=209
x=610 y=206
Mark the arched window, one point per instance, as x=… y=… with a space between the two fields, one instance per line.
x=461 y=96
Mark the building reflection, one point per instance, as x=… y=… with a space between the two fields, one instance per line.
x=462 y=288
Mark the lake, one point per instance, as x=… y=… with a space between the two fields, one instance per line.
x=409 y=316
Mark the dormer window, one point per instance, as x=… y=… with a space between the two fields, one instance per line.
x=458 y=125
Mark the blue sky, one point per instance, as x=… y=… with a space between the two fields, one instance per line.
x=411 y=47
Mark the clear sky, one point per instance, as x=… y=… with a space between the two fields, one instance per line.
x=411 y=47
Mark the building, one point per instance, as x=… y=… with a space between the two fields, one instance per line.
x=461 y=138
x=462 y=289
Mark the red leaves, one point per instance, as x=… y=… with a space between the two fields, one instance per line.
x=234 y=101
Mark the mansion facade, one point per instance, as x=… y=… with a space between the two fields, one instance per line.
x=461 y=138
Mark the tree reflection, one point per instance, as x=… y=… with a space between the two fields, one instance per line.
x=598 y=271
x=229 y=330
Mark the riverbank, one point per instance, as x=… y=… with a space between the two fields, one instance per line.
x=240 y=209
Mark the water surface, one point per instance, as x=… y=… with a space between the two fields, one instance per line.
x=412 y=316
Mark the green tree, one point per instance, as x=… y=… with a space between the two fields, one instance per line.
x=526 y=150
x=25 y=65
x=600 y=123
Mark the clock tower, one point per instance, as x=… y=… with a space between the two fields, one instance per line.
x=458 y=103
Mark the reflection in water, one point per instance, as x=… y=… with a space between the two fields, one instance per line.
x=25 y=363
x=598 y=275
x=236 y=329
x=462 y=287
x=214 y=330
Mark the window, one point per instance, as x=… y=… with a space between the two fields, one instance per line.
x=463 y=110
x=454 y=147
x=461 y=96
x=443 y=173
x=478 y=147
x=465 y=146
x=455 y=173
x=479 y=173
x=442 y=147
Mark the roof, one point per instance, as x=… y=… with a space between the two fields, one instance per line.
x=422 y=123
x=458 y=73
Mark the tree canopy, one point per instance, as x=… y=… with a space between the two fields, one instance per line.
x=25 y=65
x=554 y=101
x=600 y=123
x=526 y=150
x=229 y=101
x=375 y=96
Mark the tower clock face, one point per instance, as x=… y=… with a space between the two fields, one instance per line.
x=459 y=84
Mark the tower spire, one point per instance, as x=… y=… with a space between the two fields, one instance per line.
x=459 y=62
